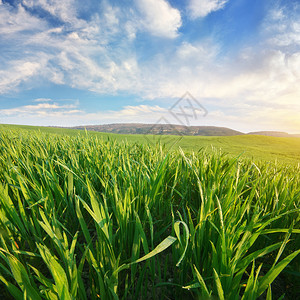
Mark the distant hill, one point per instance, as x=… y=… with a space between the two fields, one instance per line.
x=161 y=129
x=167 y=129
x=275 y=133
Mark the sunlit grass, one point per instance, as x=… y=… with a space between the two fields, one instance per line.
x=85 y=218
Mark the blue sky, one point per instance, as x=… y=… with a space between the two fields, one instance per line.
x=97 y=62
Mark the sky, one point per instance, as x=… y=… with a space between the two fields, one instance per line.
x=231 y=63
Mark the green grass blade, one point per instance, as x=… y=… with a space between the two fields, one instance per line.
x=275 y=271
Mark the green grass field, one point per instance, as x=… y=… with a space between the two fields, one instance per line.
x=284 y=150
x=90 y=216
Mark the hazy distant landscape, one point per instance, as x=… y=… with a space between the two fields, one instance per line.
x=138 y=128
x=256 y=147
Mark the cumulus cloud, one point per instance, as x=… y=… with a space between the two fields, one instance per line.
x=202 y=8
x=159 y=17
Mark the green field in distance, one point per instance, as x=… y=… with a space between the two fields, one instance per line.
x=255 y=147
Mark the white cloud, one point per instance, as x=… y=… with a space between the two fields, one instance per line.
x=49 y=107
x=202 y=8
x=42 y=100
x=52 y=113
x=159 y=17
x=14 y=20
x=77 y=53
x=64 y=10
x=19 y=71
x=293 y=62
x=48 y=111
x=264 y=75
x=281 y=27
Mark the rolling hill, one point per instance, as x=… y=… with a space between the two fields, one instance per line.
x=172 y=129
x=161 y=129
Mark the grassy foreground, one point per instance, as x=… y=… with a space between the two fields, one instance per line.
x=86 y=218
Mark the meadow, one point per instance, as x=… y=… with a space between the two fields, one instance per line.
x=99 y=216
x=254 y=147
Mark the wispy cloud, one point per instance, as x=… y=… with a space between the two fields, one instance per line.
x=202 y=8
x=49 y=108
x=282 y=27
x=63 y=10
x=74 y=53
x=16 y=20
x=43 y=100
x=18 y=71
x=51 y=112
